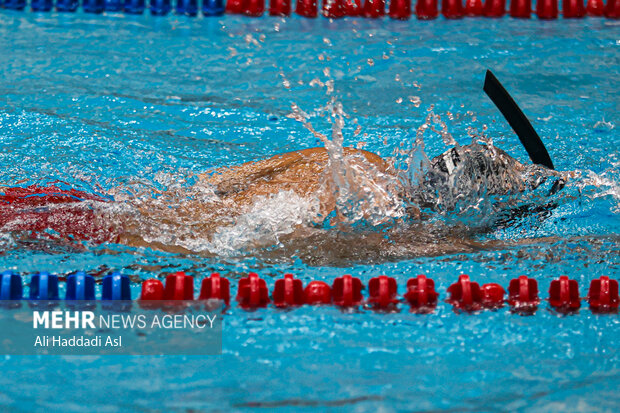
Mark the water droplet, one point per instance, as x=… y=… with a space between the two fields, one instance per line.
x=415 y=100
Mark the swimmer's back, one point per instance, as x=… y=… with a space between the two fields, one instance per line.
x=300 y=171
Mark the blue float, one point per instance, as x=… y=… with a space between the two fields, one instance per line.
x=116 y=287
x=134 y=6
x=113 y=5
x=14 y=4
x=67 y=5
x=10 y=286
x=160 y=7
x=44 y=286
x=41 y=5
x=212 y=7
x=189 y=7
x=93 y=6
x=80 y=286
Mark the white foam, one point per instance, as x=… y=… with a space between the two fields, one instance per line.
x=264 y=223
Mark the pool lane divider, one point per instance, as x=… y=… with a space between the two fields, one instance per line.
x=213 y=7
x=306 y=8
x=421 y=294
x=114 y=5
x=234 y=7
x=426 y=9
x=523 y=295
x=400 y=9
x=94 y=6
x=595 y=8
x=494 y=8
x=80 y=286
x=334 y=9
x=572 y=9
x=521 y=9
x=252 y=292
x=69 y=6
x=288 y=292
x=215 y=287
x=353 y=8
x=464 y=295
x=187 y=7
x=159 y=7
x=41 y=5
x=564 y=295
x=280 y=8
x=453 y=9
x=473 y=8
x=548 y=9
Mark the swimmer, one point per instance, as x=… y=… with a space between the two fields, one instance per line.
x=69 y=214
x=73 y=215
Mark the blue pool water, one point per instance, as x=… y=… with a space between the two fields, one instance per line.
x=103 y=102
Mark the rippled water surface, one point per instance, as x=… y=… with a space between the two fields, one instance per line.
x=113 y=101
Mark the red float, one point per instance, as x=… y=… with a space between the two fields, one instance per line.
x=235 y=6
x=595 y=8
x=474 y=8
x=452 y=9
x=421 y=294
x=334 y=9
x=494 y=8
x=465 y=295
x=492 y=295
x=347 y=291
x=353 y=8
x=254 y=8
x=426 y=9
x=603 y=295
x=152 y=290
x=547 y=9
x=400 y=9
x=307 y=8
x=280 y=8
x=564 y=295
x=252 y=292
x=523 y=294
x=573 y=9
x=179 y=286
x=317 y=292
x=215 y=288
x=374 y=8
x=612 y=10
x=288 y=292
x=382 y=292
x=521 y=9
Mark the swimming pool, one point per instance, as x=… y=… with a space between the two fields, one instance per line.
x=105 y=101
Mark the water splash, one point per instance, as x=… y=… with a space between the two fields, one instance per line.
x=263 y=224
x=361 y=192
